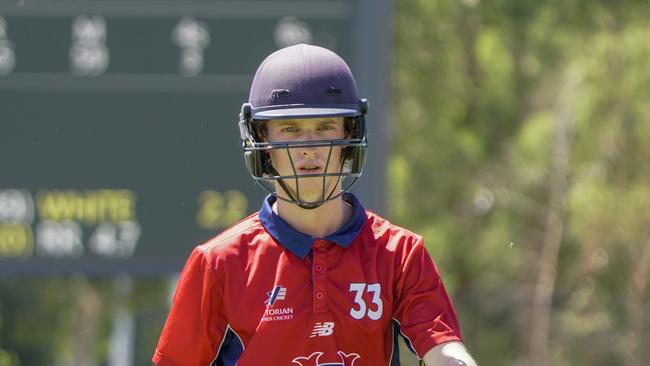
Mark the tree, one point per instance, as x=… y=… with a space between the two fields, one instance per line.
x=518 y=154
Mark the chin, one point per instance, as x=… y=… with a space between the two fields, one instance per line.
x=311 y=194
x=311 y=189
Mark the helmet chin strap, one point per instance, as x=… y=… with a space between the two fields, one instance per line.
x=293 y=199
x=297 y=201
x=305 y=205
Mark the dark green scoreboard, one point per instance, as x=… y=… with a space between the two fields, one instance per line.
x=119 y=147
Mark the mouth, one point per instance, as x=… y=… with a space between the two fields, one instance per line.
x=309 y=169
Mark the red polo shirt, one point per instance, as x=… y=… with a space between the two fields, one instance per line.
x=261 y=293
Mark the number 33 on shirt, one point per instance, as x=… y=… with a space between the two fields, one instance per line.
x=373 y=310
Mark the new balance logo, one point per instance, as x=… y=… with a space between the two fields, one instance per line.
x=322 y=329
x=278 y=293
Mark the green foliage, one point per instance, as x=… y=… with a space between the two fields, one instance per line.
x=46 y=321
x=475 y=121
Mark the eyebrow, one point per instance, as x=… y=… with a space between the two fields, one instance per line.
x=286 y=122
x=291 y=122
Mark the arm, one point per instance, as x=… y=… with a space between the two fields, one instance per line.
x=423 y=310
x=449 y=354
x=196 y=325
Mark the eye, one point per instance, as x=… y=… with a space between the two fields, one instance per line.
x=326 y=126
x=289 y=129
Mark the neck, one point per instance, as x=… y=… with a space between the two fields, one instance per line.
x=317 y=222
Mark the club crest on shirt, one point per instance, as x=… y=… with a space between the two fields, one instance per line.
x=314 y=360
x=278 y=293
x=272 y=314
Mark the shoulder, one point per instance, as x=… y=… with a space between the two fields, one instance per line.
x=394 y=237
x=389 y=241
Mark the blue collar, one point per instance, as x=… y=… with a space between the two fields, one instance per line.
x=299 y=243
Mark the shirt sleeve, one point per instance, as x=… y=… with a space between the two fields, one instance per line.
x=423 y=309
x=196 y=323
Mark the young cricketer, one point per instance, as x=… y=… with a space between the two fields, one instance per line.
x=312 y=279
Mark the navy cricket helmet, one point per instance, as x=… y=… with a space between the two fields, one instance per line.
x=303 y=81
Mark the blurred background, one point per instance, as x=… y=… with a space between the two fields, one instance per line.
x=512 y=134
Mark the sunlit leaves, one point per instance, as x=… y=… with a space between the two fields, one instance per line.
x=479 y=89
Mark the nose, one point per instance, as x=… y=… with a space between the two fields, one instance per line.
x=309 y=153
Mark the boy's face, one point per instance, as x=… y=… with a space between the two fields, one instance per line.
x=307 y=160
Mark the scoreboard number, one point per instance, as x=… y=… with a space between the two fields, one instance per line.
x=59 y=239
x=89 y=55
x=217 y=210
x=7 y=54
x=192 y=37
x=115 y=239
x=16 y=240
x=16 y=206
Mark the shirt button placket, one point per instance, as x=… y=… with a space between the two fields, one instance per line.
x=319 y=275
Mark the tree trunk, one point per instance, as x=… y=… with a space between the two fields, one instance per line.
x=633 y=341
x=554 y=226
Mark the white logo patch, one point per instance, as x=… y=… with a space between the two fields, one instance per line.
x=322 y=329
x=278 y=293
